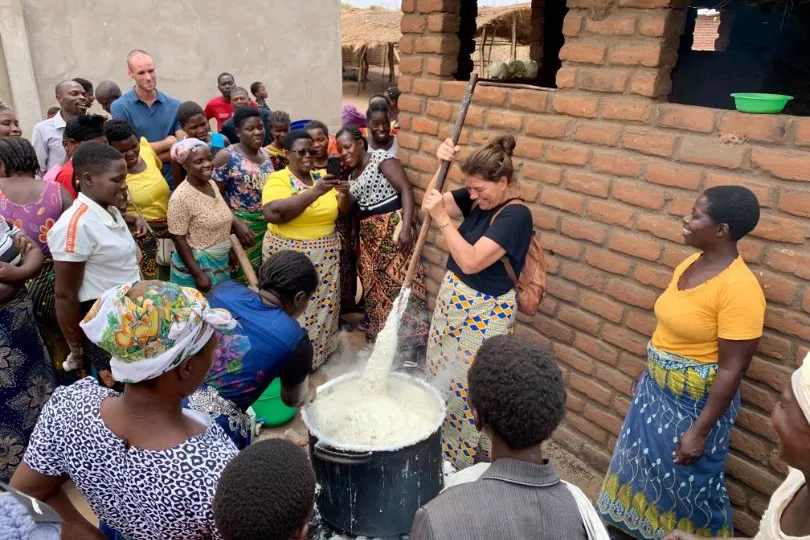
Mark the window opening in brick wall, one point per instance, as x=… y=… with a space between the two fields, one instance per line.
x=744 y=46
x=492 y=38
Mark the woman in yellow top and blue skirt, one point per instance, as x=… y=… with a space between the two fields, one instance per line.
x=477 y=297
x=301 y=207
x=667 y=467
x=148 y=190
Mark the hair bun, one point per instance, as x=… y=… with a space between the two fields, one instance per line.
x=506 y=143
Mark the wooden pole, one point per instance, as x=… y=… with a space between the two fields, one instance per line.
x=391 y=62
x=423 y=231
x=244 y=262
x=482 y=72
x=513 y=51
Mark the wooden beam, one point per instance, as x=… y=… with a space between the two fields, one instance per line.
x=513 y=51
x=482 y=72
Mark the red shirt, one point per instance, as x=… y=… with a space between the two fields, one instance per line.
x=221 y=109
x=65 y=178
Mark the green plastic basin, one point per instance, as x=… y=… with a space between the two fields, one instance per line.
x=760 y=103
x=269 y=408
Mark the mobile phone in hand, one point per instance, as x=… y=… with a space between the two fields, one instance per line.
x=334 y=166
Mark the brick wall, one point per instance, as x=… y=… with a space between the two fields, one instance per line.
x=608 y=169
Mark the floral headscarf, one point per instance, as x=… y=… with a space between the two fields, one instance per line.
x=182 y=150
x=153 y=333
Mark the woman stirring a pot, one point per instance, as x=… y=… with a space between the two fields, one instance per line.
x=477 y=297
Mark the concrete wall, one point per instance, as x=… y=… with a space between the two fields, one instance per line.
x=608 y=168
x=293 y=47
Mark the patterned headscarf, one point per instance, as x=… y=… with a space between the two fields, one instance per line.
x=153 y=333
x=800 y=382
x=182 y=149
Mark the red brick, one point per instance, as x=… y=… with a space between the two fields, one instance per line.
x=661 y=227
x=615 y=379
x=475 y=115
x=439 y=109
x=597 y=303
x=610 y=213
x=554 y=330
x=608 y=421
x=576 y=105
x=411 y=64
x=546 y=127
x=764 y=193
x=686 y=117
x=529 y=333
x=567 y=438
x=429 y=145
x=443 y=23
x=777 y=347
x=788 y=322
x=543 y=218
x=408 y=6
x=541 y=172
x=648 y=142
x=437 y=44
x=668 y=174
x=583 y=182
x=650 y=83
x=635 y=245
x=445 y=6
x=528 y=192
x=562 y=199
x=405 y=81
x=620 y=165
x=652 y=24
x=590 y=388
x=567 y=154
x=780 y=229
x=631 y=365
x=423 y=163
x=411 y=103
x=406 y=46
x=625 y=339
x=751 y=250
x=562 y=246
x=413 y=24
x=638 y=194
x=572 y=23
x=642 y=53
x=596 y=348
x=634 y=110
x=749 y=445
x=563 y=290
x=789 y=261
x=641 y=322
x=586 y=427
x=788 y=165
x=408 y=140
x=424 y=125
x=528 y=147
x=583 y=275
x=769 y=373
x=776 y=288
x=751 y=475
x=616 y=24
x=756 y=395
x=453 y=90
x=596 y=455
x=795 y=202
x=680 y=206
x=802 y=129
x=529 y=100
x=427 y=87
x=574 y=403
x=602 y=80
x=489 y=95
x=442 y=66
x=596 y=132
x=566 y=77
x=579 y=319
x=583 y=230
x=498 y=119
x=572 y=358
x=607 y=261
x=675 y=255
x=753 y=127
x=631 y=294
x=584 y=52
x=652 y=275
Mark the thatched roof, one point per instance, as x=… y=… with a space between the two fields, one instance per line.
x=502 y=18
x=372 y=27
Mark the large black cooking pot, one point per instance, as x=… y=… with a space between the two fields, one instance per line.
x=376 y=492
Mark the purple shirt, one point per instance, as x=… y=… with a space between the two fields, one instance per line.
x=36 y=218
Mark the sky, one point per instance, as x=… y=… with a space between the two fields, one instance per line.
x=395 y=4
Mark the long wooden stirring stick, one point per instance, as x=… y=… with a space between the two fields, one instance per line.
x=423 y=231
x=244 y=262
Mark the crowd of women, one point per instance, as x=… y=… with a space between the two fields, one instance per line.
x=178 y=362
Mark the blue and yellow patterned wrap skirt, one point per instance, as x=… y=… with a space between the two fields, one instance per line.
x=462 y=320
x=645 y=494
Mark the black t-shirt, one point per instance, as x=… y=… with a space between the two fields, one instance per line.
x=512 y=230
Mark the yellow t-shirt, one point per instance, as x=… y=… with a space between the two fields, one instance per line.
x=149 y=189
x=731 y=306
x=317 y=221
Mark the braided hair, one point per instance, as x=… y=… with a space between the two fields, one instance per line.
x=287 y=273
x=17 y=156
x=354 y=132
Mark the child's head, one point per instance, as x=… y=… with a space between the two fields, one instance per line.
x=101 y=172
x=192 y=121
x=266 y=492
x=516 y=392
x=258 y=90
x=279 y=122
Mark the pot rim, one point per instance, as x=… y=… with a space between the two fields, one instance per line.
x=331 y=443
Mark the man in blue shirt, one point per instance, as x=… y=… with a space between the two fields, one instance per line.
x=151 y=113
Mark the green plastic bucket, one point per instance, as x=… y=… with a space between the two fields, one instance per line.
x=760 y=103
x=269 y=408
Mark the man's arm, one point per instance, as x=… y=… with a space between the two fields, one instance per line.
x=40 y=147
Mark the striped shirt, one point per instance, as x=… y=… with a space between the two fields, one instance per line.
x=513 y=500
x=98 y=237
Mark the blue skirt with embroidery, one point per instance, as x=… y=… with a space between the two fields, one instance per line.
x=645 y=494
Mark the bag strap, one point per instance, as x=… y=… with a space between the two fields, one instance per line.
x=505 y=258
